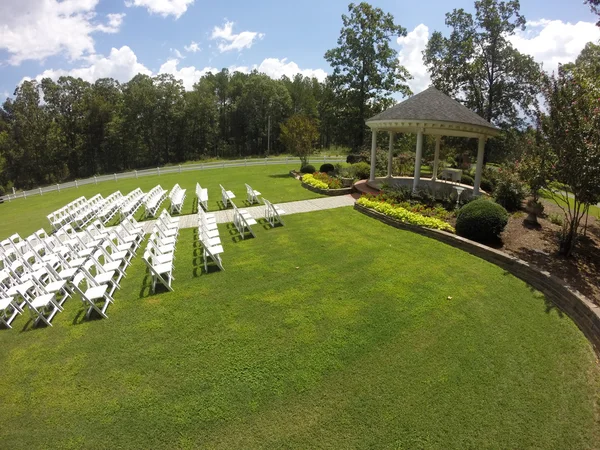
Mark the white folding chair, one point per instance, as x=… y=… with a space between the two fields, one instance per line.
x=92 y=293
x=226 y=196
x=252 y=195
x=159 y=272
x=42 y=307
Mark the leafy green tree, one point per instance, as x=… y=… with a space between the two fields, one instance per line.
x=299 y=134
x=64 y=100
x=302 y=94
x=104 y=153
x=366 y=69
x=571 y=129
x=201 y=120
x=478 y=64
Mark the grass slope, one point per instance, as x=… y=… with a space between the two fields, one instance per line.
x=28 y=215
x=333 y=331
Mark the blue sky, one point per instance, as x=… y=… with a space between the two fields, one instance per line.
x=118 y=38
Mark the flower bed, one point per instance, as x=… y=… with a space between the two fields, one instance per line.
x=324 y=184
x=314 y=182
x=404 y=215
x=436 y=212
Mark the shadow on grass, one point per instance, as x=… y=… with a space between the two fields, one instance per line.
x=548 y=303
x=30 y=325
x=221 y=205
x=81 y=317
x=281 y=175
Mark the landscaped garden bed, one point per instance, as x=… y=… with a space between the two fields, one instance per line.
x=418 y=215
x=324 y=184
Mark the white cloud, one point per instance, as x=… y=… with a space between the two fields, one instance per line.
x=411 y=57
x=38 y=29
x=177 y=53
x=122 y=64
x=228 y=41
x=192 y=48
x=114 y=23
x=276 y=68
x=189 y=75
x=553 y=41
x=163 y=7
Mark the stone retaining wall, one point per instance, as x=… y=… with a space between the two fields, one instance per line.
x=330 y=192
x=579 y=308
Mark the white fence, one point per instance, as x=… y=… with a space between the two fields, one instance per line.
x=167 y=170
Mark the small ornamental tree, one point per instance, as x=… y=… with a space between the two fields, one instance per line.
x=571 y=130
x=535 y=165
x=299 y=134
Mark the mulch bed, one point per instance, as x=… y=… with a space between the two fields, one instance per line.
x=539 y=246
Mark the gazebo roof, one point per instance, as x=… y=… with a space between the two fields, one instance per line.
x=434 y=111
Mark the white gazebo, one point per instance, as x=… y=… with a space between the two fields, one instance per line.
x=429 y=112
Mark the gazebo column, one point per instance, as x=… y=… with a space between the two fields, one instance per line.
x=479 y=168
x=436 y=158
x=373 y=153
x=418 y=160
x=391 y=154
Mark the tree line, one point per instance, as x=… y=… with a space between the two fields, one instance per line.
x=64 y=129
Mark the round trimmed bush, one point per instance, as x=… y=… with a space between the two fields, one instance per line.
x=481 y=220
x=362 y=170
x=309 y=168
x=326 y=168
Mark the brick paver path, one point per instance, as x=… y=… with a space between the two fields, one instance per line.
x=302 y=206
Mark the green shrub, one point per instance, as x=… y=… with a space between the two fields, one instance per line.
x=556 y=219
x=362 y=170
x=405 y=216
x=481 y=220
x=326 y=168
x=344 y=170
x=509 y=191
x=353 y=159
x=309 y=168
x=312 y=181
x=396 y=193
x=487 y=185
x=467 y=179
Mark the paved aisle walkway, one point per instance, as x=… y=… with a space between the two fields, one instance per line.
x=302 y=206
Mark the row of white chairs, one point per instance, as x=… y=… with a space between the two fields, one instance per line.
x=132 y=202
x=44 y=271
x=87 y=212
x=160 y=250
x=208 y=234
x=177 y=197
x=153 y=200
x=202 y=197
x=65 y=214
x=111 y=207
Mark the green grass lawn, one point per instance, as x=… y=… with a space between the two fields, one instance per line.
x=334 y=331
x=28 y=215
x=594 y=210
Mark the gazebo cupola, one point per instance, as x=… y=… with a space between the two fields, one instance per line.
x=430 y=112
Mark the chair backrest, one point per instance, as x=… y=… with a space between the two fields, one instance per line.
x=77 y=280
